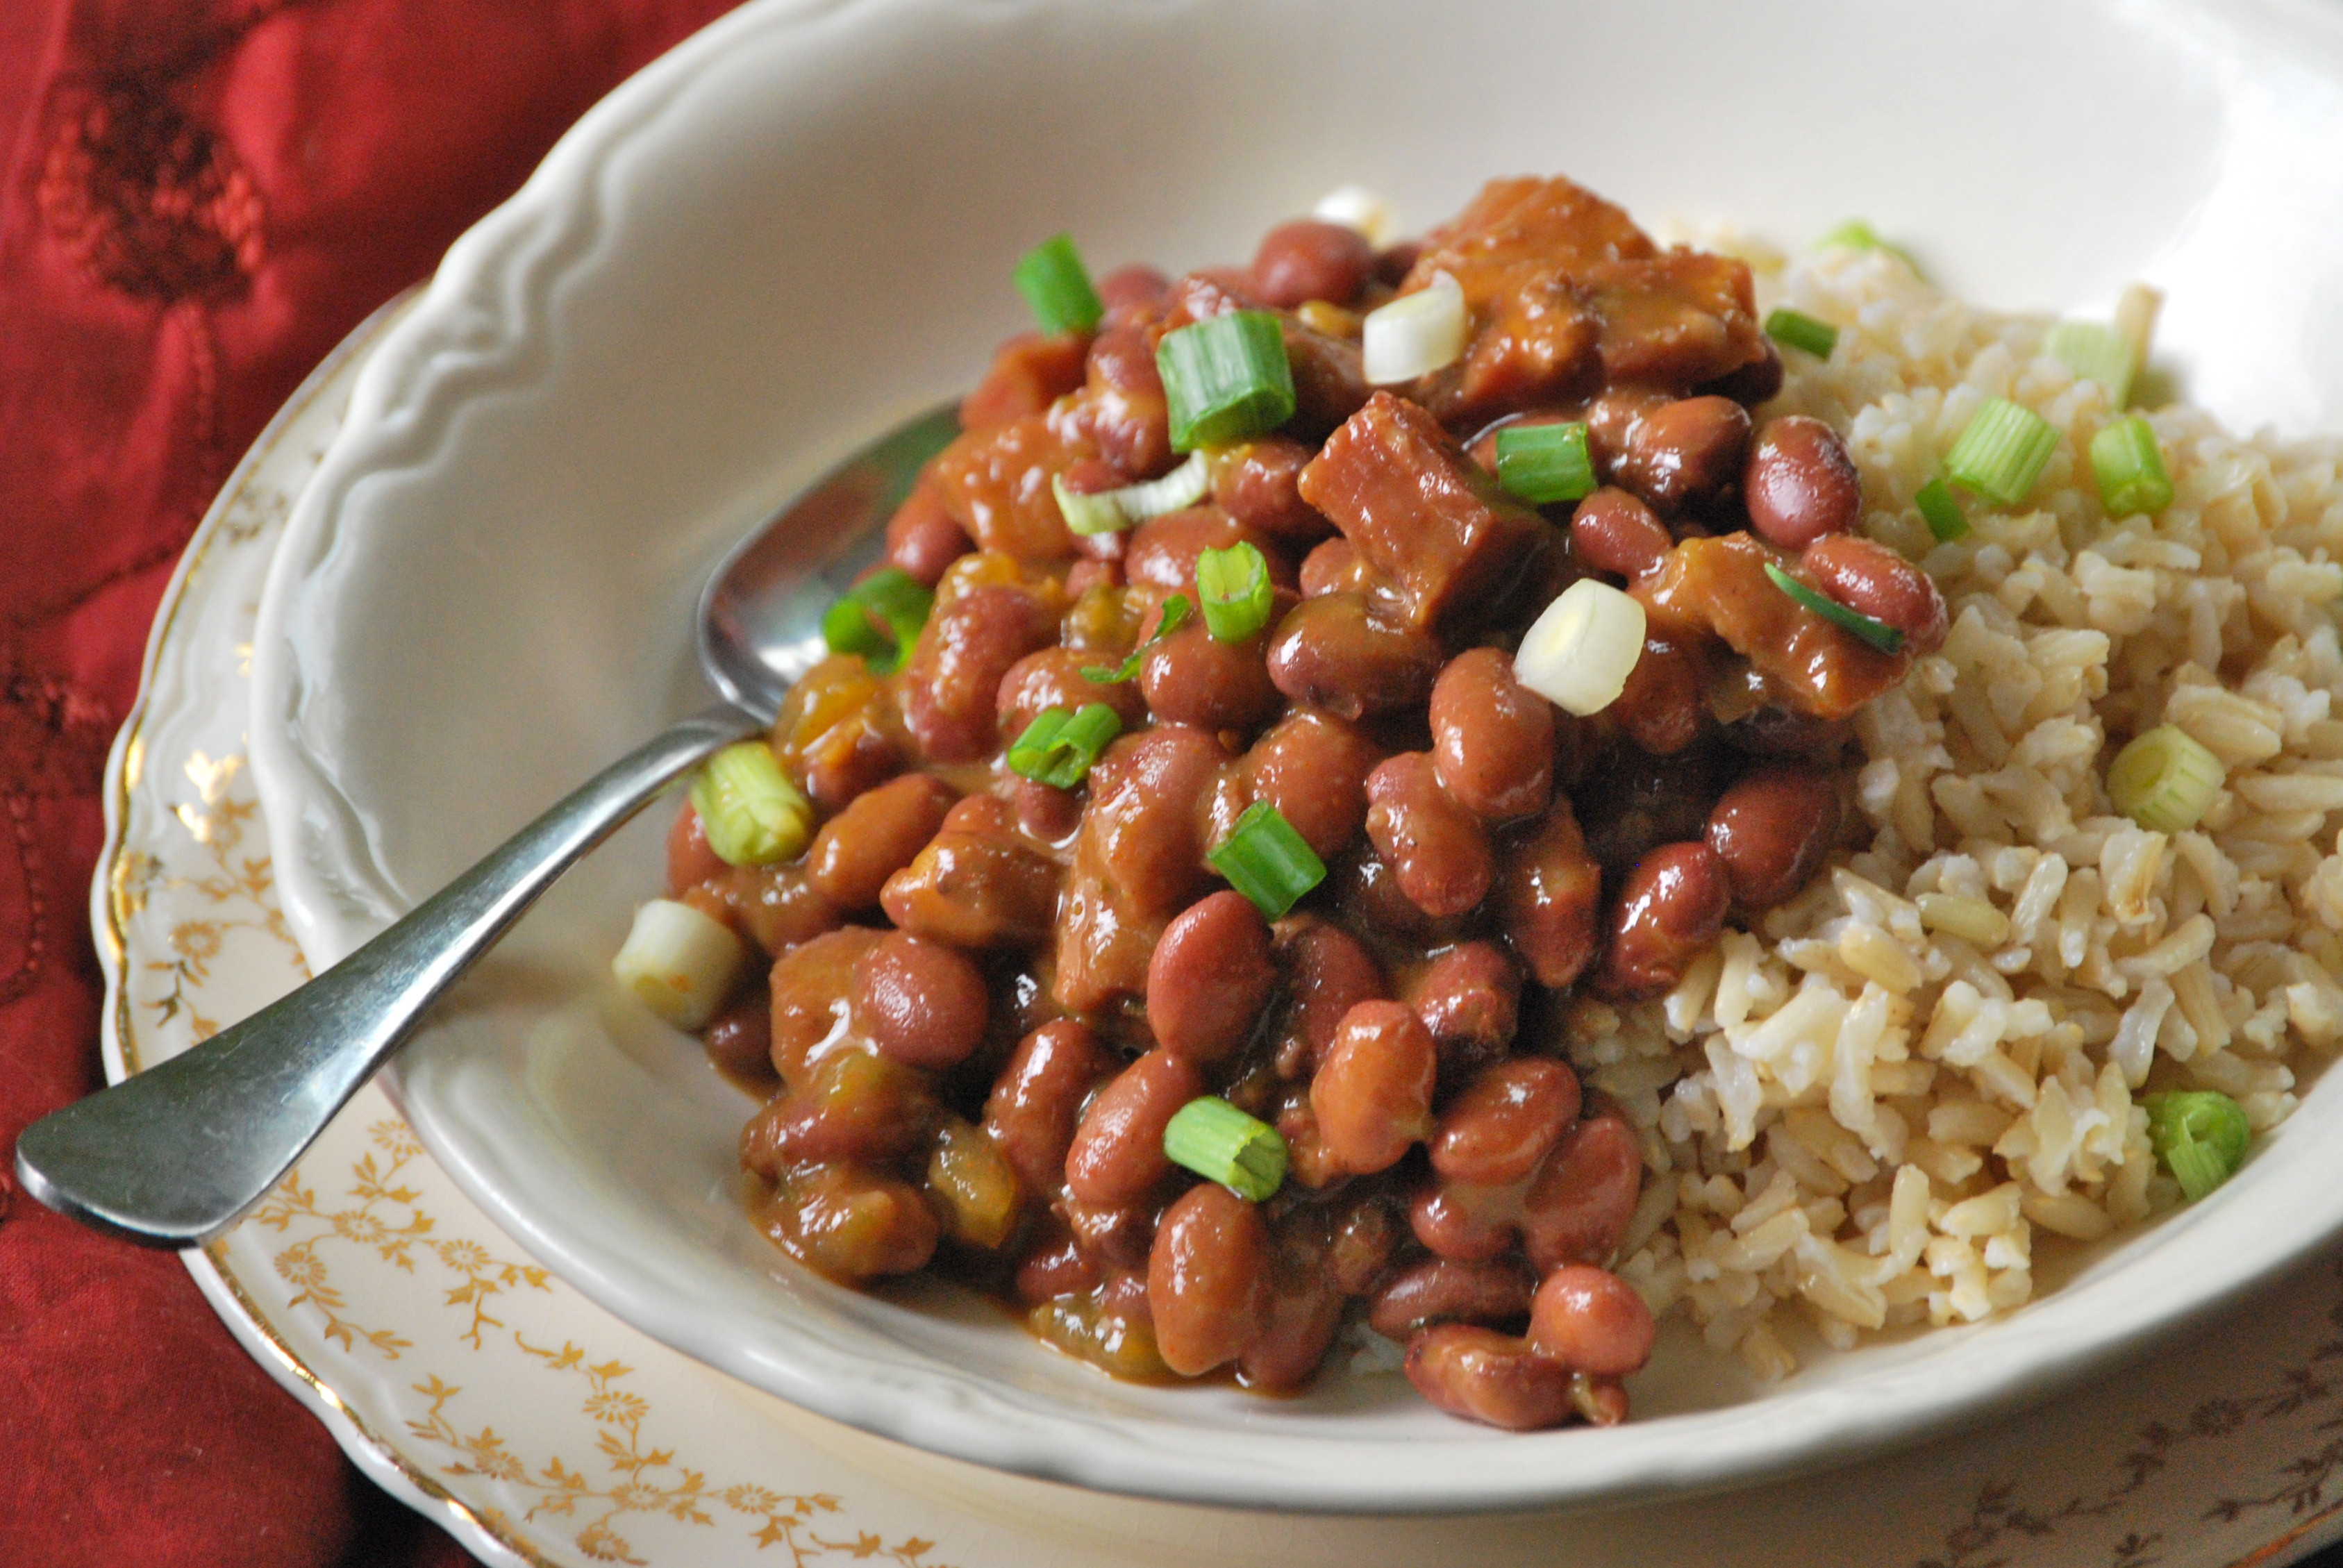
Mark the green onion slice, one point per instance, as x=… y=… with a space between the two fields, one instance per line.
x=2165 y=780
x=1267 y=861
x=1878 y=633
x=2002 y=453
x=1176 y=610
x=2096 y=352
x=2200 y=1135
x=1941 y=510
x=752 y=813
x=1855 y=234
x=1542 y=463
x=1234 y=585
x=2129 y=468
x=1057 y=748
x=1057 y=285
x=1112 y=511
x=897 y=599
x=1225 y=379
x=1796 y=329
x=1221 y=1143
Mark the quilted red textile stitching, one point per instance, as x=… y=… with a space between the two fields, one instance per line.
x=201 y=197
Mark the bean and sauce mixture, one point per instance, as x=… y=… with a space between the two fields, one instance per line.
x=1186 y=979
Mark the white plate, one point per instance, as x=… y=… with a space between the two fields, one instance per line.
x=799 y=223
x=540 y=1429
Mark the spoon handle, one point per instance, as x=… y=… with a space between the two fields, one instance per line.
x=172 y=1156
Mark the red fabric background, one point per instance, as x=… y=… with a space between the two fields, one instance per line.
x=202 y=197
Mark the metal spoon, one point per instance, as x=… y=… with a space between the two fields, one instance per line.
x=173 y=1156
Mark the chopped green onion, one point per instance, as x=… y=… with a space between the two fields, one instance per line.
x=1221 y=1143
x=2003 y=451
x=1234 y=585
x=2200 y=1135
x=1112 y=511
x=1855 y=234
x=680 y=961
x=1057 y=285
x=1355 y=206
x=2129 y=468
x=2165 y=779
x=1542 y=463
x=2097 y=353
x=1176 y=610
x=1798 y=330
x=1580 y=650
x=1941 y=510
x=1415 y=334
x=1878 y=633
x=752 y=814
x=1225 y=379
x=1057 y=748
x=896 y=597
x=1267 y=861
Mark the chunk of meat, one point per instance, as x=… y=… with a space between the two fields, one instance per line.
x=995 y=483
x=1423 y=516
x=1027 y=374
x=1676 y=320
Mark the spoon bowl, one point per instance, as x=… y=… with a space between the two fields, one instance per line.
x=176 y=1154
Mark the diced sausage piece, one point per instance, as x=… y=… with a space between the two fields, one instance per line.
x=1485 y=1376
x=1677 y=320
x=1030 y=373
x=996 y=485
x=1549 y=891
x=1421 y=513
x=952 y=687
x=1671 y=907
x=1719 y=587
x=1336 y=652
x=1211 y=978
x=1492 y=736
x=1468 y=997
x=1436 y=848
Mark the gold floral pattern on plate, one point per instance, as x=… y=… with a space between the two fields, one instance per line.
x=544 y=1431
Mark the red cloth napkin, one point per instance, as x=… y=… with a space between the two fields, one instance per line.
x=202 y=196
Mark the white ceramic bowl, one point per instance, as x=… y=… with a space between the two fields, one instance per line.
x=800 y=225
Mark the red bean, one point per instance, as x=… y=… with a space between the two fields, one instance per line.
x=1485 y=1376
x=1333 y=652
x=1116 y=1236
x=851 y=1224
x=1369 y=895
x=1307 y=259
x=1162 y=551
x=1365 y=1240
x=1037 y=1099
x=855 y=1107
x=1313 y=769
x=1469 y=996
x=1303 y=1314
x=1256 y=484
x=878 y=834
x=1463 y=1224
x=1053 y=677
x=1610 y=421
x=1055 y=1265
x=812 y=984
x=1773 y=830
x=1686 y=453
x=1439 y=1292
x=1435 y=847
x=1209 y=978
x=954 y=677
x=976 y=890
x=1612 y=531
x=1207 y=1278
x=1872 y=579
x=691 y=859
x=922 y=538
x=1144 y=824
x=1046 y=814
x=1121 y=408
x=1593 y=1321
x=1493 y=737
x=1577 y=1209
x=1547 y=897
x=1373 y=1094
x=739 y=1039
x=923 y=1003
x=1328 y=973
x=1193 y=677
x=1664 y=707
x=1118 y=1150
x=1030 y=373
x=1669 y=910
x=1800 y=483
x=1335 y=566
x=1136 y=287
x=1506 y=1123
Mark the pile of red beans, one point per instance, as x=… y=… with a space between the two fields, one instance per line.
x=988 y=996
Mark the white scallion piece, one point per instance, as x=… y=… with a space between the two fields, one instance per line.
x=1415 y=334
x=1579 y=653
x=1112 y=511
x=678 y=963
x=1357 y=206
